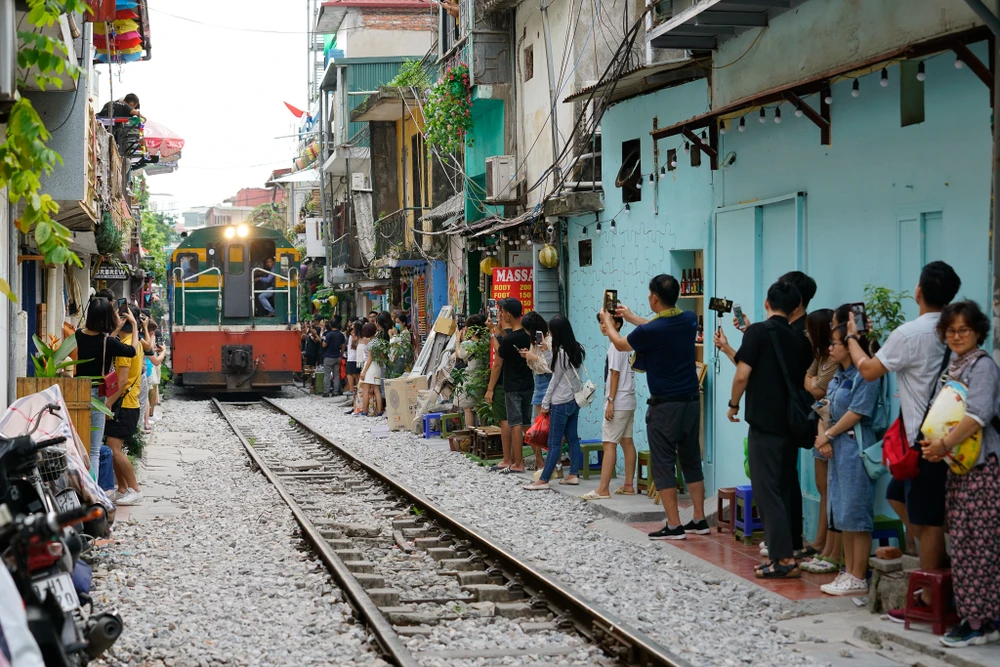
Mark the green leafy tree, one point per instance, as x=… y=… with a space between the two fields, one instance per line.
x=24 y=156
x=884 y=308
x=269 y=216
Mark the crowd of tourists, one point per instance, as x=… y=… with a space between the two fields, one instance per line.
x=119 y=346
x=812 y=380
x=355 y=359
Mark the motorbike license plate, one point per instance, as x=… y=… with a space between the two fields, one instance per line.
x=67 y=501
x=61 y=586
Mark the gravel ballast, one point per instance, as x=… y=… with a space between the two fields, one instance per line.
x=698 y=616
x=223 y=578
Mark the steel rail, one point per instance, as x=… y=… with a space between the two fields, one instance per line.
x=619 y=639
x=386 y=637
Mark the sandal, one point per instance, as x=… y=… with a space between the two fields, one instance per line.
x=778 y=571
x=594 y=495
x=566 y=482
x=803 y=554
x=505 y=471
x=625 y=490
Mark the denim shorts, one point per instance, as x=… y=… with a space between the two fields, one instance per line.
x=850 y=491
x=541 y=386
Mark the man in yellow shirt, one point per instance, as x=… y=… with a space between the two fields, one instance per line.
x=125 y=405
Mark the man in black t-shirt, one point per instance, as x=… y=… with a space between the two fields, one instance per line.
x=518 y=380
x=333 y=348
x=772 y=452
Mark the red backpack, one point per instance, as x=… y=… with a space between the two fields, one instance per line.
x=898 y=455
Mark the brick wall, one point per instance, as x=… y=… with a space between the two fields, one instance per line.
x=399 y=19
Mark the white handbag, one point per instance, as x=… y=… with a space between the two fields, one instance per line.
x=585 y=394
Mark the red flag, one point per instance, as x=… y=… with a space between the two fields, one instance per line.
x=295 y=111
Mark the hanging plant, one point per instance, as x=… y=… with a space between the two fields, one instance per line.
x=448 y=112
x=109 y=238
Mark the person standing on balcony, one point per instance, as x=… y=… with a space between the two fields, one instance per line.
x=123 y=108
x=265 y=281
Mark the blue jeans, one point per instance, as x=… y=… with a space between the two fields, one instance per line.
x=265 y=300
x=96 y=436
x=563 y=420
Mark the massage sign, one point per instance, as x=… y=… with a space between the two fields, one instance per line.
x=516 y=282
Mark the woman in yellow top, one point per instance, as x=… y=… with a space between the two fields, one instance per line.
x=125 y=405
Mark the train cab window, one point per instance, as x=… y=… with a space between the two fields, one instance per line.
x=188 y=263
x=287 y=263
x=213 y=255
x=236 y=259
x=260 y=250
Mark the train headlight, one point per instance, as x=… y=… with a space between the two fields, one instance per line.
x=242 y=230
x=230 y=232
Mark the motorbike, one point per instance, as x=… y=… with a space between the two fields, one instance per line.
x=42 y=521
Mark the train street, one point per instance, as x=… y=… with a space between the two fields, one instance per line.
x=213 y=569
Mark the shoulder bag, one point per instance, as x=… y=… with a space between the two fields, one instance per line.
x=108 y=384
x=802 y=419
x=585 y=394
x=871 y=456
x=898 y=455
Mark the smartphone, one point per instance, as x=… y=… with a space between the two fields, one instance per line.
x=860 y=316
x=738 y=314
x=611 y=300
x=539 y=338
x=121 y=305
x=493 y=310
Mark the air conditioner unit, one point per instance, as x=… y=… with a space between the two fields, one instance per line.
x=360 y=181
x=501 y=175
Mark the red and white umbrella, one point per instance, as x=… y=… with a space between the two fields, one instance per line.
x=161 y=140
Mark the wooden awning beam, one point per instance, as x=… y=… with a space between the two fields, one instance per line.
x=821 y=120
x=710 y=150
x=975 y=64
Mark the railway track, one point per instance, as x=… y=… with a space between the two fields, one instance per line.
x=411 y=571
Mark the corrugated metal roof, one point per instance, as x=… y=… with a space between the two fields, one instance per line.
x=367 y=76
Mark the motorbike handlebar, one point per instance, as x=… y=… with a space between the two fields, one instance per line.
x=38 y=446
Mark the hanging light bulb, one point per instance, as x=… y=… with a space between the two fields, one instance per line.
x=704 y=137
x=763 y=115
x=628 y=209
x=959 y=64
x=743 y=123
x=856 y=88
x=673 y=163
x=827 y=96
x=598 y=230
x=687 y=147
x=663 y=171
x=638 y=183
x=884 y=81
x=584 y=231
x=777 y=115
x=798 y=112
x=723 y=128
x=921 y=71
x=613 y=227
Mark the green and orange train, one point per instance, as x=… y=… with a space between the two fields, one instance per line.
x=222 y=338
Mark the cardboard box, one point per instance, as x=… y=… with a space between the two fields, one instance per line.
x=401 y=401
x=445 y=326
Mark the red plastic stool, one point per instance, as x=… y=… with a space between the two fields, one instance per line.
x=941 y=613
x=728 y=493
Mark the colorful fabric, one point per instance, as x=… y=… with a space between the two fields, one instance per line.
x=973 y=503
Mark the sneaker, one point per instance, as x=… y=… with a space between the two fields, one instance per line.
x=846 y=584
x=668 y=533
x=132 y=497
x=992 y=633
x=819 y=566
x=697 y=527
x=963 y=635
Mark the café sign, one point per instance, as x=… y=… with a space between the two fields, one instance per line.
x=110 y=272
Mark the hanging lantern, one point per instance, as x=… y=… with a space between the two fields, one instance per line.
x=333 y=300
x=487 y=265
x=548 y=257
x=317 y=303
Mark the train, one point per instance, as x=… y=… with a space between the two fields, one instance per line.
x=222 y=337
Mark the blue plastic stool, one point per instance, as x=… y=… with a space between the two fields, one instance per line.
x=432 y=425
x=746 y=522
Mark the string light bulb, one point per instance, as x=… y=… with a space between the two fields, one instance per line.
x=663 y=171
x=884 y=80
x=687 y=147
x=777 y=116
x=743 y=123
x=585 y=231
x=638 y=183
x=921 y=71
x=763 y=115
x=651 y=174
x=628 y=209
x=613 y=227
x=673 y=163
x=798 y=112
x=598 y=230
x=856 y=88
x=959 y=64
x=723 y=128
x=827 y=96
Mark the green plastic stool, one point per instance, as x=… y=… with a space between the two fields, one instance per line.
x=887 y=528
x=588 y=467
x=643 y=480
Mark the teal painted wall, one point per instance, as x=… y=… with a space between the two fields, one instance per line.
x=641 y=248
x=485 y=140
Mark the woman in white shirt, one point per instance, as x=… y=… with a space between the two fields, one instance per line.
x=352 y=358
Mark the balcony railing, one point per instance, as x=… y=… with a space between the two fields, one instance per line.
x=340 y=251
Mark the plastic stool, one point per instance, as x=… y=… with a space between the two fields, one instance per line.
x=887 y=529
x=746 y=519
x=450 y=423
x=942 y=612
x=588 y=446
x=643 y=480
x=728 y=493
x=432 y=425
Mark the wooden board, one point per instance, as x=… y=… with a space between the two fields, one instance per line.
x=76 y=394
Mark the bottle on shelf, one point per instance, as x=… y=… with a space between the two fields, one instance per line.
x=701 y=329
x=684 y=282
x=699 y=282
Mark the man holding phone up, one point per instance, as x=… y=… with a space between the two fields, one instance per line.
x=518 y=381
x=665 y=351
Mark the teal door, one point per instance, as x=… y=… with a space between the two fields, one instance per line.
x=754 y=245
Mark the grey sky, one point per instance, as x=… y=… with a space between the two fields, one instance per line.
x=220 y=89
